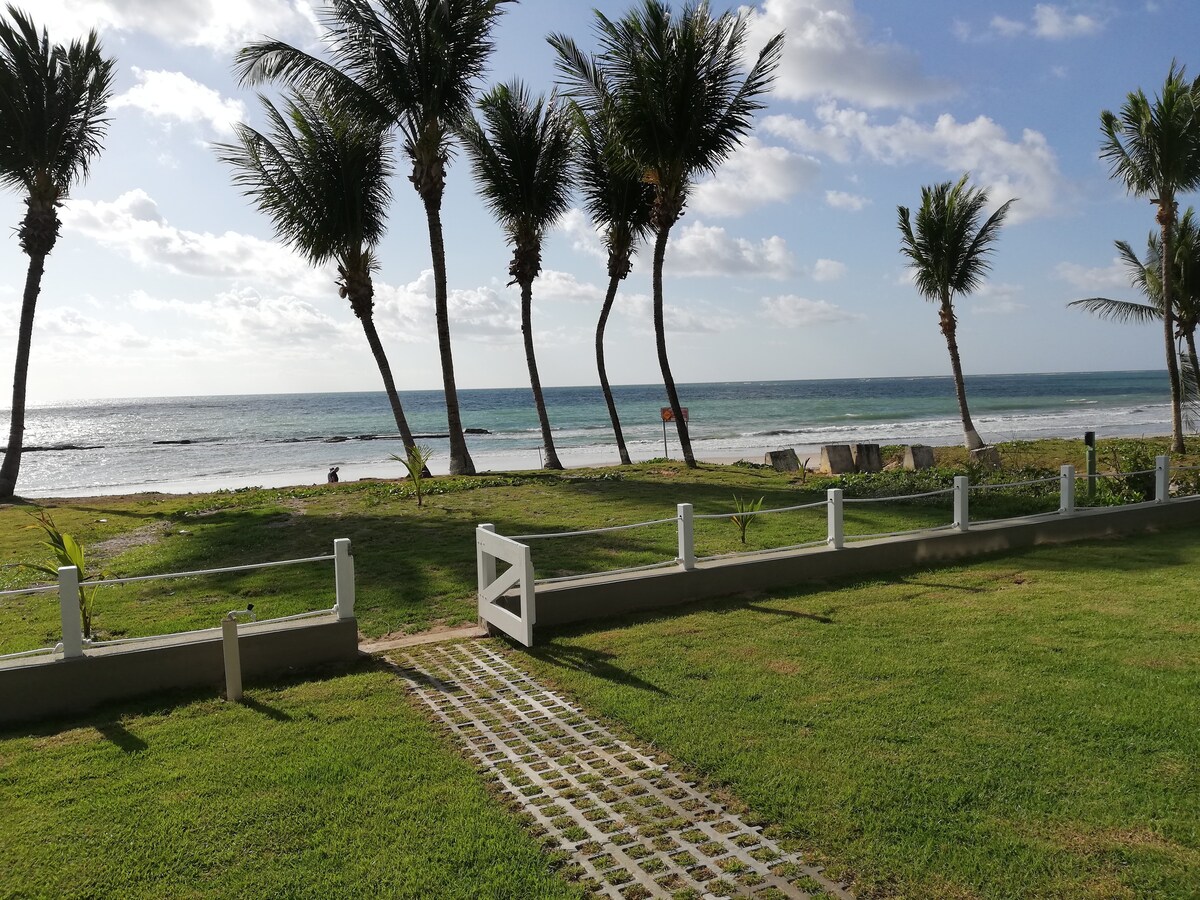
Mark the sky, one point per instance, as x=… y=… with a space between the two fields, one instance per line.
x=166 y=281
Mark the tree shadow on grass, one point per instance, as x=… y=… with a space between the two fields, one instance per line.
x=121 y=737
x=593 y=662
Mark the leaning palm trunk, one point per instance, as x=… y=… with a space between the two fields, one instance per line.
x=949 y=329
x=613 y=283
x=16 y=428
x=535 y=383
x=460 y=457
x=660 y=337
x=389 y=385
x=1166 y=218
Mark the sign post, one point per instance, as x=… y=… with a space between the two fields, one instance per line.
x=668 y=415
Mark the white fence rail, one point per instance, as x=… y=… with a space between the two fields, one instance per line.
x=73 y=644
x=493 y=547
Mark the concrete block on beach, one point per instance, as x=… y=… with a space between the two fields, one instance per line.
x=868 y=458
x=783 y=460
x=986 y=456
x=836 y=459
x=917 y=457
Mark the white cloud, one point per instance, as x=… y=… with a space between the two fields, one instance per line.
x=699 y=249
x=828 y=54
x=133 y=225
x=828 y=270
x=706 y=320
x=1026 y=169
x=172 y=96
x=754 y=175
x=583 y=235
x=846 y=201
x=217 y=25
x=996 y=299
x=406 y=312
x=1049 y=22
x=791 y=311
x=1098 y=278
x=554 y=286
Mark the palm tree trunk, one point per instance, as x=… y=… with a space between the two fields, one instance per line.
x=609 y=297
x=16 y=425
x=1190 y=337
x=660 y=337
x=460 y=457
x=534 y=381
x=389 y=385
x=1166 y=219
x=970 y=435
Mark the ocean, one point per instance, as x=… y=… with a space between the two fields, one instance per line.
x=182 y=444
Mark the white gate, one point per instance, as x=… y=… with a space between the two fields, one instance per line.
x=490 y=548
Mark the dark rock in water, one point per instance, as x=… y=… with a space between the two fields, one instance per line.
x=366 y=437
x=53 y=448
x=476 y=431
x=184 y=441
x=336 y=439
x=429 y=437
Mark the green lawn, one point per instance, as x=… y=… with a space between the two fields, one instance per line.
x=331 y=788
x=1027 y=726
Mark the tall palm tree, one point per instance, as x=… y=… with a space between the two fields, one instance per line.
x=523 y=160
x=948 y=251
x=1146 y=275
x=617 y=198
x=322 y=178
x=1154 y=148
x=414 y=64
x=681 y=103
x=53 y=101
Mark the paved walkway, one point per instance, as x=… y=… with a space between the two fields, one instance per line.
x=633 y=828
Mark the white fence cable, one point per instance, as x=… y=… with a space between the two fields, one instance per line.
x=221 y=571
x=1013 y=484
x=558 y=534
x=761 y=512
x=40 y=589
x=25 y=653
x=898 y=497
x=886 y=534
x=628 y=569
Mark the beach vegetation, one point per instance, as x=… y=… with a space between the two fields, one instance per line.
x=744 y=513
x=524 y=158
x=53 y=121
x=617 y=198
x=1153 y=148
x=948 y=250
x=415 y=462
x=681 y=103
x=323 y=176
x=67 y=552
x=410 y=64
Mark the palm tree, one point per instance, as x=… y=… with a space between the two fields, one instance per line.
x=523 y=159
x=322 y=178
x=413 y=64
x=1154 y=148
x=617 y=198
x=948 y=251
x=681 y=104
x=1146 y=275
x=53 y=101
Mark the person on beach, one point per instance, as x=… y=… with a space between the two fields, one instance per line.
x=333 y=475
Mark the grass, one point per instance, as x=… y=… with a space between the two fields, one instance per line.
x=1021 y=727
x=416 y=566
x=330 y=788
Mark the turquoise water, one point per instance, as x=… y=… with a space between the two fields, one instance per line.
x=293 y=438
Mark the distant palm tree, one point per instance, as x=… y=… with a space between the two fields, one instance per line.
x=523 y=159
x=681 y=104
x=414 y=64
x=617 y=198
x=1154 y=148
x=322 y=177
x=53 y=101
x=1146 y=275
x=948 y=251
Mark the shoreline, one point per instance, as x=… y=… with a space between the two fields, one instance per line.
x=388 y=471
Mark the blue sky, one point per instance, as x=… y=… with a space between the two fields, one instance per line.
x=166 y=282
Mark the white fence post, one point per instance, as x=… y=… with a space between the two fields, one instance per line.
x=837 y=532
x=962 y=517
x=485 y=570
x=343 y=578
x=1162 y=479
x=687 y=539
x=68 y=604
x=233 y=658
x=1066 y=490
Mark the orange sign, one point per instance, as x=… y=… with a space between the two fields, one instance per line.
x=668 y=414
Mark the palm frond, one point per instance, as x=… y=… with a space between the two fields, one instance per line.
x=1124 y=311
